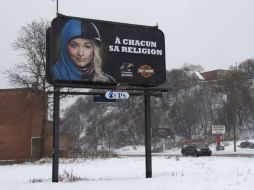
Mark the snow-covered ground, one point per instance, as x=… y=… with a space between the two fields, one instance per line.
x=128 y=173
x=227 y=173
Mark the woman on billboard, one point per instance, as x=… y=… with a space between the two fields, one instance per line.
x=79 y=54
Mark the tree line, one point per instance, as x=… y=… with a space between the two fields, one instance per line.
x=189 y=109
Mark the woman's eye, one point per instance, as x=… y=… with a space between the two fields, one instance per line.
x=73 y=45
x=88 y=46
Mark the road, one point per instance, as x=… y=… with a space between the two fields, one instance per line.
x=174 y=155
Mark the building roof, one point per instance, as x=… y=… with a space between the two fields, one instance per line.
x=215 y=74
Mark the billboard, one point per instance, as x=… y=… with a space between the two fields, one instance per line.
x=82 y=51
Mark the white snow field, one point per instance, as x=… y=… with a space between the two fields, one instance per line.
x=176 y=173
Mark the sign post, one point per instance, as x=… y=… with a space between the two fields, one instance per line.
x=148 y=134
x=55 y=164
x=161 y=133
x=218 y=130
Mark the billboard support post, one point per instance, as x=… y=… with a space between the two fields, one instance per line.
x=148 y=134
x=56 y=104
x=55 y=155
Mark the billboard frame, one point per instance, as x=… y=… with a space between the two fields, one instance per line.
x=84 y=84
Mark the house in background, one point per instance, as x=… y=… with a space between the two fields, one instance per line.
x=215 y=74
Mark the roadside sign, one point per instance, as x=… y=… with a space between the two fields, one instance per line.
x=218 y=129
x=162 y=132
x=117 y=95
x=131 y=54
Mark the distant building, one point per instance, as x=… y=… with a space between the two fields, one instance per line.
x=63 y=142
x=24 y=129
x=22 y=115
x=214 y=75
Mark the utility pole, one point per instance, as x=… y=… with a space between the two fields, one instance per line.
x=56 y=7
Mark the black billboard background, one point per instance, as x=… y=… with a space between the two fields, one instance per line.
x=122 y=66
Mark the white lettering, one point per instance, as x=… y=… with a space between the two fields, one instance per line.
x=124 y=49
x=153 y=44
x=111 y=48
x=114 y=48
x=136 y=50
x=142 y=43
x=125 y=41
x=117 y=40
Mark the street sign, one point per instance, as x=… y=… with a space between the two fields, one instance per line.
x=117 y=95
x=218 y=129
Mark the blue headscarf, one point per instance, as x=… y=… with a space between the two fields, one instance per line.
x=65 y=69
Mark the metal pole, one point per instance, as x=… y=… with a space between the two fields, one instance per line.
x=55 y=156
x=56 y=7
x=148 y=134
x=234 y=138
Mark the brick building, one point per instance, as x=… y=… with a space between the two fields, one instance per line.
x=23 y=115
x=63 y=142
x=215 y=74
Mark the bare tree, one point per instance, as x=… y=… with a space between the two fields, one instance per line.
x=238 y=110
x=30 y=73
x=31 y=43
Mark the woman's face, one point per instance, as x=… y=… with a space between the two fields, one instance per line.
x=81 y=51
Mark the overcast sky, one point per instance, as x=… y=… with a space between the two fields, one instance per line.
x=212 y=33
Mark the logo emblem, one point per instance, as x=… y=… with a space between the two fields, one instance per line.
x=126 y=70
x=117 y=95
x=145 y=71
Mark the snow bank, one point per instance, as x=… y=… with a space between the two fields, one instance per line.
x=129 y=173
